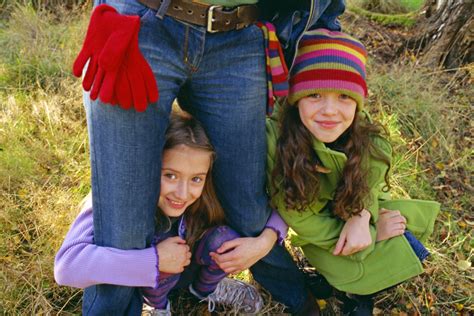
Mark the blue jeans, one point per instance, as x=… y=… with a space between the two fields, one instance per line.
x=420 y=250
x=220 y=79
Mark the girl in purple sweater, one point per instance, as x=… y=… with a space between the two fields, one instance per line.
x=193 y=228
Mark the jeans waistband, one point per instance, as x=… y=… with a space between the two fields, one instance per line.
x=215 y=18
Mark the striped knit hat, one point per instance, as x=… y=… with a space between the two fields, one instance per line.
x=329 y=61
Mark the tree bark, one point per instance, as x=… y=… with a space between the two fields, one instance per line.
x=446 y=32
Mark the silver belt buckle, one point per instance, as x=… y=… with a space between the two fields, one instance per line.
x=210 y=18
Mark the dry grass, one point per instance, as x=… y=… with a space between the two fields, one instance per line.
x=44 y=168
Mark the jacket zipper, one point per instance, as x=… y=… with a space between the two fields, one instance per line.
x=311 y=13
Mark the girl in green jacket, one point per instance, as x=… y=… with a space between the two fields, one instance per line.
x=328 y=173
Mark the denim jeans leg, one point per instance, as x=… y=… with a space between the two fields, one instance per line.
x=126 y=163
x=420 y=250
x=227 y=93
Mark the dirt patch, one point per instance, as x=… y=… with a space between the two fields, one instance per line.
x=383 y=43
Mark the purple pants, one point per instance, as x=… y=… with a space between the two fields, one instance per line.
x=203 y=272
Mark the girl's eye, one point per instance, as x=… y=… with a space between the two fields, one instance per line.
x=170 y=176
x=315 y=96
x=345 y=97
x=198 y=179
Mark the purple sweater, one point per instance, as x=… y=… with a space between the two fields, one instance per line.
x=80 y=263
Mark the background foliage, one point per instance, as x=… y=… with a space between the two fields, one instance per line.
x=44 y=166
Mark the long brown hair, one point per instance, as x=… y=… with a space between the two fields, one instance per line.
x=297 y=165
x=206 y=211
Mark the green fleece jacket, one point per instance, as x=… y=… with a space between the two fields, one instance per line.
x=381 y=265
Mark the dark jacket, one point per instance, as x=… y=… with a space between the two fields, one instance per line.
x=292 y=17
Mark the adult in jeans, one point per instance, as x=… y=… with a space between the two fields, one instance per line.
x=218 y=77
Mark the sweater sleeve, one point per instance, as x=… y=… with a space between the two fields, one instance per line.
x=376 y=178
x=278 y=225
x=80 y=263
x=321 y=230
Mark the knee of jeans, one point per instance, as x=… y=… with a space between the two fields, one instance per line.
x=109 y=299
x=250 y=228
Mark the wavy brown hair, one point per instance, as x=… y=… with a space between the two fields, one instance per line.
x=297 y=166
x=206 y=211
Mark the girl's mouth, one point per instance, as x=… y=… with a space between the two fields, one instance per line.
x=327 y=124
x=175 y=204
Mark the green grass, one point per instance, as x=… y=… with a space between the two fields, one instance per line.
x=44 y=166
x=387 y=12
x=403 y=19
x=43 y=157
x=413 y=5
x=388 y=6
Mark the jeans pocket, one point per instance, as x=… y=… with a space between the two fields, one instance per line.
x=129 y=7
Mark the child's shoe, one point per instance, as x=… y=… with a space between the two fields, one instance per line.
x=310 y=307
x=151 y=311
x=357 y=305
x=243 y=297
x=318 y=285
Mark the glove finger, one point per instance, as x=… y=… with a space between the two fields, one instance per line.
x=150 y=82
x=108 y=84
x=138 y=89
x=80 y=62
x=114 y=100
x=123 y=91
x=99 y=78
x=91 y=73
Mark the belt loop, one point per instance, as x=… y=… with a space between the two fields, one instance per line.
x=163 y=9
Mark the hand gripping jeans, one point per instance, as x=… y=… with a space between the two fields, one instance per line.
x=220 y=79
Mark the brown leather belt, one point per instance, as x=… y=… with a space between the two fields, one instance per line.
x=214 y=17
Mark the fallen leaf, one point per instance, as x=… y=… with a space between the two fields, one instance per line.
x=23 y=194
x=469 y=220
x=449 y=289
x=464 y=265
x=322 y=304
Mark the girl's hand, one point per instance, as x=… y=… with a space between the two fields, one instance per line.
x=173 y=255
x=390 y=224
x=241 y=253
x=355 y=235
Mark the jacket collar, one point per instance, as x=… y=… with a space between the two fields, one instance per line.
x=331 y=159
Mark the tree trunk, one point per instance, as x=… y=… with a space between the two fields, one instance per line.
x=446 y=34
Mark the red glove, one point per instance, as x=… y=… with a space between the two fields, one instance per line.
x=117 y=71
x=135 y=83
x=107 y=29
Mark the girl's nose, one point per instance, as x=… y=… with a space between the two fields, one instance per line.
x=182 y=190
x=329 y=106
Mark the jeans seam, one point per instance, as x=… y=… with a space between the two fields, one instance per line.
x=93 y=301
x=186 y=51
x=97 y=185
x=192 y=67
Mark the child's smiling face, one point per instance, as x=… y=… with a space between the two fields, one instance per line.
x=327 y=115
x=183 y=175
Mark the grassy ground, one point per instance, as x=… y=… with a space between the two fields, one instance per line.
x=44 y=167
